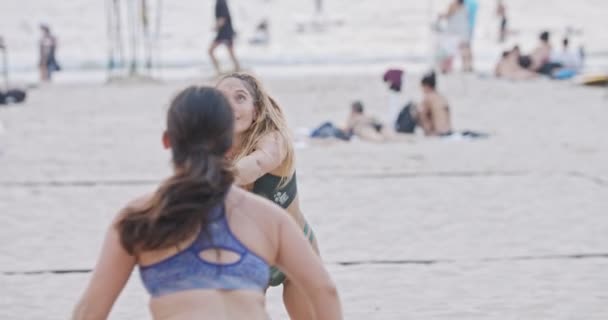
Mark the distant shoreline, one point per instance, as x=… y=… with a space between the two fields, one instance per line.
x=485 y=61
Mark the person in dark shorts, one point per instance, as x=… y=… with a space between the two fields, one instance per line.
x=501 y=12
x=48 y=48
x=225 y=35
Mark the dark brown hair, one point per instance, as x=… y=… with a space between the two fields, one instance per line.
x=429 y=80
x=200 y=130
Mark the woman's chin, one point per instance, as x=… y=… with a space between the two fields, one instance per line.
x=239 y=131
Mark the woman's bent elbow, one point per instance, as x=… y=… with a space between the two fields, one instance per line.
x=82 y=312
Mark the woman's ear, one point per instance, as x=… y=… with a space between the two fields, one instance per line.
x=165 y=140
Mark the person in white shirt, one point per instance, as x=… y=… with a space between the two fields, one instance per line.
x=567 y=58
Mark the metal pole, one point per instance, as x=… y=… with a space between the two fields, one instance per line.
x=147 y=41
x=132 y=22
x=110 y=30
x=4 y=62
x=118 y=33
x=157 y=47
x=432 y=34
x=5 y=66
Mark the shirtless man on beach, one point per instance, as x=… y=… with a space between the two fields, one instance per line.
x=434 y=110
x=541 y=54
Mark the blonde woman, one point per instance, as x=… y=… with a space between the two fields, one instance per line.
x=263 y=158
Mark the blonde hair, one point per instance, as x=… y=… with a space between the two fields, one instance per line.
x=269 y=119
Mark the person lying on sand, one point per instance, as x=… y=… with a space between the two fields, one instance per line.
x=358 y=124
x=508 y=67
x=365 y=127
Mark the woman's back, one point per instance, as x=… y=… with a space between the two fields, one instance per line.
x=219 y=275
x=227 y=305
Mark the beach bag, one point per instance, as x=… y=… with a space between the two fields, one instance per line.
x=406 y=123
x=12 y=96
x=328 y=130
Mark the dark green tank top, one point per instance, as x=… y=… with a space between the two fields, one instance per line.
x=267 y=186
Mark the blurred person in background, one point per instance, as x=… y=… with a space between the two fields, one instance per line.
x=48 y=51
x=225 y=35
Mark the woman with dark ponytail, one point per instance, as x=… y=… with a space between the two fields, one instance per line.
x=202 y=245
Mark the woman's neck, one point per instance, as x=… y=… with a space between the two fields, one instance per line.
x=236 y=145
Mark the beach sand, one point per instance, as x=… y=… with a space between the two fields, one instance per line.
x=502 y=228
x=361 y=32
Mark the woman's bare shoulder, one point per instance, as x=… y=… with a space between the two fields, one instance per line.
x=138 y=203
x=244 y=202
x=272 y=137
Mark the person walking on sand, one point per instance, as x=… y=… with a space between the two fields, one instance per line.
x=501 y=13
x=458 y=30
x=264 y=161
x=204 y=246
x=47 y=50
x=225 y=35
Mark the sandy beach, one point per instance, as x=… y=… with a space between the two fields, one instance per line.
x=511 y=227
x=362 y=31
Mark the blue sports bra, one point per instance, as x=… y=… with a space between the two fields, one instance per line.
x=186 y=270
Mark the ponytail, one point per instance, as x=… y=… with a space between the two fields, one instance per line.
x=199 y=128
x=180 y=206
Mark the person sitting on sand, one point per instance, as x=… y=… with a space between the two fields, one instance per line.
x=433 y=114
x=434 y=110
x=508 y=67
x=567 y=58
x=540 y=59
x=541 y=54
x=394 y=79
